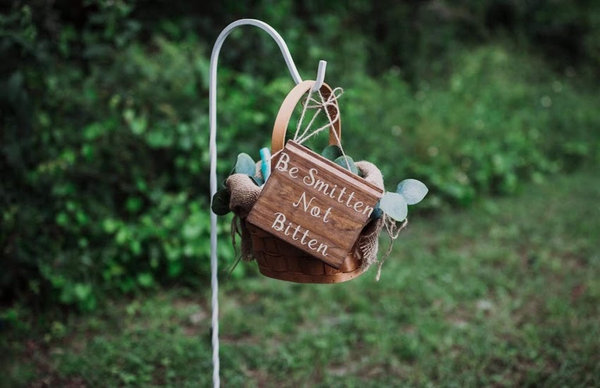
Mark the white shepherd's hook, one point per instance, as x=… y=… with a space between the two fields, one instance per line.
x=214 y=59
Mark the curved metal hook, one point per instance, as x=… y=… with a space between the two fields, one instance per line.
x=214 y=59
x=320 y=76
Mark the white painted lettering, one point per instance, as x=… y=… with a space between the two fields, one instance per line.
x=304 y=237
x=321 y=186
x=327 y=214
x=350 y=199
x=309 y=180
x=296 y=231
x=342 y=192
x=357 y=206
x=279 y=222
x=324 y=248
x=303 y=200
x=282 y=163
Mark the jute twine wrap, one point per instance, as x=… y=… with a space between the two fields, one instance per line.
x=244 y=194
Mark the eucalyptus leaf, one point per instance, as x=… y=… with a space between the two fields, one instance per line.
x=257 y=180
x=394 y=205
x=377 y=212
x=220 y=202
x=331 y=152
x=412 y=190
x=245 y=165
x=346 y=161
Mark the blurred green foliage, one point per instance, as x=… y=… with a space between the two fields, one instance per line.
x=104 y=115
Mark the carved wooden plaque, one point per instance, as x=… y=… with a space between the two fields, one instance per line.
x=314 y=204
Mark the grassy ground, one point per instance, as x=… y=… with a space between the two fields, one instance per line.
x=504 y=294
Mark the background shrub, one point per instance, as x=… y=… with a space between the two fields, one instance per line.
x=104 y=114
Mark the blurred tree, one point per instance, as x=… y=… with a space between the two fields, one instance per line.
x=103 y=117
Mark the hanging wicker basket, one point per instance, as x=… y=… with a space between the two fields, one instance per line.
x=282 y=257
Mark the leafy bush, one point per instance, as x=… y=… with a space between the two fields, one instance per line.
x=107 y=188
x=104 y=152
x=501 y=117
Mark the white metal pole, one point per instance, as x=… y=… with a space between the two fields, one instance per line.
x=214 y=59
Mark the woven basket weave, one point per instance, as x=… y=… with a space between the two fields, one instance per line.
x=279 y=260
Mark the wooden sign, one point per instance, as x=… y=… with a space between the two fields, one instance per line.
x=314 y=204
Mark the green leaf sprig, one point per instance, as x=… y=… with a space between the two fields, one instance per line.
x=408 y=192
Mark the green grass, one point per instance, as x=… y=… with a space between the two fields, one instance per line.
x=503 y=294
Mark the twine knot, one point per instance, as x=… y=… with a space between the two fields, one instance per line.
x=312 y=103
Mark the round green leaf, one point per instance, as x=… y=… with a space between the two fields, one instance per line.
x=332 y=152
x=245 y=165
x=220 y=202
x=412 y=190
x=394 y=205
x=259 y=181
x=345 y=162
x=377 y=212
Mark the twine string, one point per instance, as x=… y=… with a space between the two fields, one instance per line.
x=335 y=134
x=393 y=230
x=305 y=105
x=302 y=135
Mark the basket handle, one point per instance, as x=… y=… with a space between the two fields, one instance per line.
x=287 y=108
